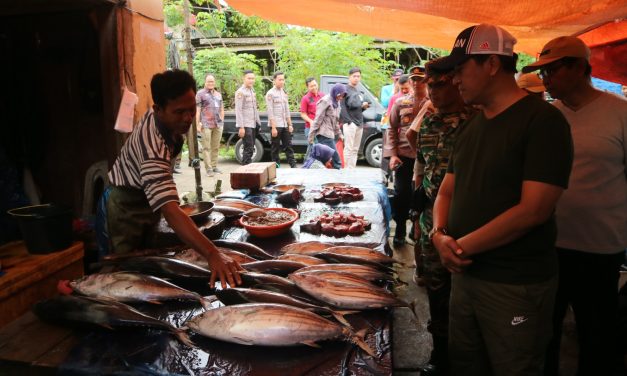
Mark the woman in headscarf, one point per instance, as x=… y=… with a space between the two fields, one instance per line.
x=319 y=156
x=326 y=127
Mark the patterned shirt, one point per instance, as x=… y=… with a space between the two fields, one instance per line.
x=435 y=145
x=210 y=103
x=145 y=162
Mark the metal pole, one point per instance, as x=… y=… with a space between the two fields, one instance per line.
x=192 y=137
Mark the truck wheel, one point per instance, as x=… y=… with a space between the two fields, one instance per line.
x=374 y=152
x=257 y=153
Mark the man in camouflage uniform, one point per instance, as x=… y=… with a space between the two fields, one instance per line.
x=400 y=152
x=247 y=116
x=279 y=120
x=434 y=145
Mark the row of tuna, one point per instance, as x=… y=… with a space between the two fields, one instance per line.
x=281 y=302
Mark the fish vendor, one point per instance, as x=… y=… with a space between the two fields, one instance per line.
x=142 y=186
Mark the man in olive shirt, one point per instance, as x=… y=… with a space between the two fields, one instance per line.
x=493 y=219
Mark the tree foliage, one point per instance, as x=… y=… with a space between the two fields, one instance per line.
x=227 y=68
x=306 y=53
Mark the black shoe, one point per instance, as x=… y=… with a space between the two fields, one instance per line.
x=398 y=241
x=429 y=369
x=293 y=165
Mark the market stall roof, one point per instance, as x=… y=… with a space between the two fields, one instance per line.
x=601 y=23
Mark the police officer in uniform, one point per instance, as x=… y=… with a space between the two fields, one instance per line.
x=279 y=120
x=247 y=115
x=400 y=152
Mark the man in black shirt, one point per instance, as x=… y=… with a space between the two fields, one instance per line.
x=352 y=119
x=493 y=219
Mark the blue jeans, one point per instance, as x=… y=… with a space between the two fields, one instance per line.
x=337 y=162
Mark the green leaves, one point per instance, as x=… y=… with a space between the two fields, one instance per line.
x=227 y=68
x=304 y=52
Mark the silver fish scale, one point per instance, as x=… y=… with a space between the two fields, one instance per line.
x=264 y=324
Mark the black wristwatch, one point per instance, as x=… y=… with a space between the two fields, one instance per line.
x=435 y=230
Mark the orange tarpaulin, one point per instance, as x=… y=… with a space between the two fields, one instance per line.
x=437 y=23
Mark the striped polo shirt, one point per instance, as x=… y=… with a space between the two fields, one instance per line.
x=145 y=162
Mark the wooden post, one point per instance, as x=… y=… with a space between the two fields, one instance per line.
x=192 y=137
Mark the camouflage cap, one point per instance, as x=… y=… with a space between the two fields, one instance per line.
x=435 y=74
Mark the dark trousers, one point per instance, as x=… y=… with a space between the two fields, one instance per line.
x=403 y=193
x=283 y=142
x=589 y=283
x=337 y=162
x=249 y=144
x=498 y=329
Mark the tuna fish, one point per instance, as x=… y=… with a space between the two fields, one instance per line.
x=191 y=256
x=235 y=203
x=303 y=259
x=359 y=252
x=164 y=267
x=364 y=271
x=266 y=324
x=277 y=284
x=346 y=296
x=339 y=276
x=244 y=247
x=305 y=248
x=100 y=314
x=131 y=287
x=277 y=267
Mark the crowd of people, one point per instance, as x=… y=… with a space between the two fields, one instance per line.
x=521 y=203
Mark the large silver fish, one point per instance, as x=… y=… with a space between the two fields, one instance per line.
x=276 y=267
x=364 y=271
x=339 y=276
x=305 y=248
x=267 y=324
x=303 y=259
x=190 y=255
x=244 y=247
x=346 y=296
x=131 y=287
x=100 y=314
x=357 y=252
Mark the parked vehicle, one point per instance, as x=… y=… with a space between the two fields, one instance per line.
x=371 y=146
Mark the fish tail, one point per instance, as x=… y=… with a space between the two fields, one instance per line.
x=206 y=301
x=183 y=337
x=358 y=339
x=339 y=316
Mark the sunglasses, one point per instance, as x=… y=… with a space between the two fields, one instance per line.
x=550 y=70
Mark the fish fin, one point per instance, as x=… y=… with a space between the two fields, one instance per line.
x=206 y=302
x=339 y=316
x=243 y=341
x=358 y=339
x=182 y=336
x=311 y=344
x=106 y=326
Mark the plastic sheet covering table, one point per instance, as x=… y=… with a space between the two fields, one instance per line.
x=148 y=352
x=375 y=207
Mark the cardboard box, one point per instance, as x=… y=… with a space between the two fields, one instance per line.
x=253 y=176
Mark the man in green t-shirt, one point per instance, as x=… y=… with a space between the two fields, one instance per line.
x=493 y=219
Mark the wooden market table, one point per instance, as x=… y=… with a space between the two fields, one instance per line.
x=29 y=345
x=29 y=278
